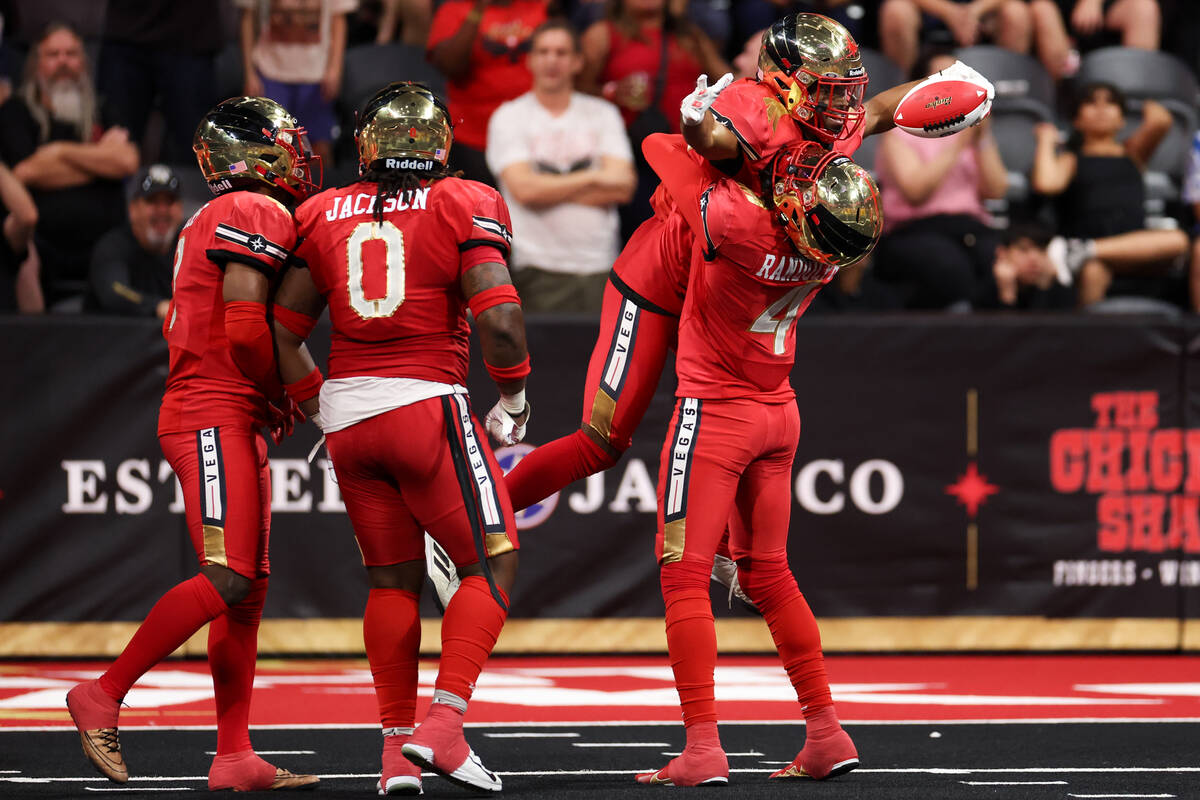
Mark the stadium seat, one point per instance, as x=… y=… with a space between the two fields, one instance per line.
x=882 y=72
x=371 y=66
x=1024 y=97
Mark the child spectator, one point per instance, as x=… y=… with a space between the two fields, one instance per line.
x=1101 y=209
x=292 y=52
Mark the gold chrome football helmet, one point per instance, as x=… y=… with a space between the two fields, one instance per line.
x=828 y=204
x=813 y=65
x=248 y=141
x=403 y=126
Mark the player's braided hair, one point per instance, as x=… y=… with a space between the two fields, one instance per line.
x=395 y=182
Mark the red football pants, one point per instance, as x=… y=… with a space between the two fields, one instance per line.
x=638 y=325
x=423 y=467
x=226 y=495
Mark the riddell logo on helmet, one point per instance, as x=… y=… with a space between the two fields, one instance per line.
x=222 y=185
x=407 y=163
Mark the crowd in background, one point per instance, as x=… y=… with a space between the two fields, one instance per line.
x=550 y=102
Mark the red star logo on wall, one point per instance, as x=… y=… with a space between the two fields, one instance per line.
x=972 y=489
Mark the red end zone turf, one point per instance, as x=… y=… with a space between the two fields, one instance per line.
x=339 y=692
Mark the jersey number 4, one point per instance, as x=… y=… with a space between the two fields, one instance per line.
x=358 y=269
x=789 y=305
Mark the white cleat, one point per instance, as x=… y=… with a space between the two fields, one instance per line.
x=400 y=785
x=470 y=774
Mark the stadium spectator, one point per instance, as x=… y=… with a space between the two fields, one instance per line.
x=18 y=218
x=937 y=243
x=1191 y=196
x=745 y=63
x=159 y=53
x=1138 y=23
x=752 y=15
x=645 y=58
x=131 y=264
x=411 y=17
x=53 y=133
x=563 y=162
x=1023 y=274
x=1101 y=208
x=480 y=46
x=292 y=52
x=1011 y=24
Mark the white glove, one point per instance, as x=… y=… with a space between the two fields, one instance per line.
x=961 y=72
x=696 y=104
x=501 y=424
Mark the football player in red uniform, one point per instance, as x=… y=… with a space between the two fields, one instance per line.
x=399 y=257
x=811 y=88
x=222 y=387
x=729 y=449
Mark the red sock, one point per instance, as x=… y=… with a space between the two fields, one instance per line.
x=175 y=617
x=469 y=631
x=771 y=586
x=232 y=654
x=392 y=633
x=553 y=465
x=691 y=639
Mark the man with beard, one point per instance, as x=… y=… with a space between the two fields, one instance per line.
x=52 y=132
x=131 y=265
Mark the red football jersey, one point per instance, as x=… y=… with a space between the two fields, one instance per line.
x=748 y=285
x=752 y=112
x=393 y=288
x=205 y=388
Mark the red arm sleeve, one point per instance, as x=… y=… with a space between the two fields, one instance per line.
x=251 y=345
x=681 y=175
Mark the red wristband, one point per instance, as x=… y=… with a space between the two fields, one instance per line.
x=296 y=322
x=306 y=388
x=494 y=296
x=508 y=374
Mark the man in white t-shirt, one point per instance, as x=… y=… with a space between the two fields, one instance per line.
x=564 y=163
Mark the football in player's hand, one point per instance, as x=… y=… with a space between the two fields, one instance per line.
x=939 y=106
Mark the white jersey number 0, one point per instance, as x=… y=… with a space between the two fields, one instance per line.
x=393 y=248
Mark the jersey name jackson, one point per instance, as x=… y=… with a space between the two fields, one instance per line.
x=363 y=204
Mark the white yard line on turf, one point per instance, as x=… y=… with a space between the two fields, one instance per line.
x=620 y=744
x=731 y=755
x=643 y=723
x=532 y=735
x=1119 y=795
x=1013 y=783
x=138 y=789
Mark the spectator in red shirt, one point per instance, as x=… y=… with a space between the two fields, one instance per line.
x=480 y=46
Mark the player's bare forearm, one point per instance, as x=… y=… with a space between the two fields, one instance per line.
x=502 y=326
x=881 y=109
x=711 y=139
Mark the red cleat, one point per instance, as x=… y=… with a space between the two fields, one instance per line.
x=823 y=758
x=697 y=765
x=400 y=776
x=246 y=772
x=438 y=745
x=95 y=715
